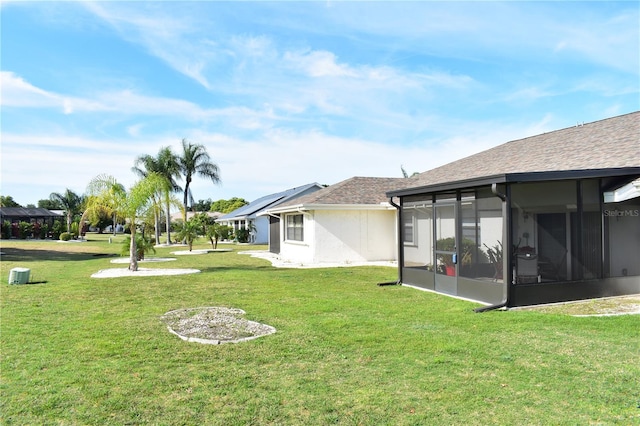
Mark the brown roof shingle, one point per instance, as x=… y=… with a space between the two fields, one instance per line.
x=355 y=190
x=605 y=144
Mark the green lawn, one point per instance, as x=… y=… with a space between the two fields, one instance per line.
x=78 y=350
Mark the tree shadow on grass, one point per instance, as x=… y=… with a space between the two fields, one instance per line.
x=214 y=269
x=12 y=254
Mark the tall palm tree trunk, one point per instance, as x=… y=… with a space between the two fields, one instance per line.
x=168 y=207
x=133 y=251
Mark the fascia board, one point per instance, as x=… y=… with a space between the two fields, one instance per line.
x=313 y=207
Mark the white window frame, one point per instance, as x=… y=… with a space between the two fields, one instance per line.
x=409 y=225
x=293 y=227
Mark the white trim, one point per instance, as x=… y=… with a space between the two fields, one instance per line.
x=303 y=208
x=624 y=193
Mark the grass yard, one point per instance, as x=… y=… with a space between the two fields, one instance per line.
x=83 y=351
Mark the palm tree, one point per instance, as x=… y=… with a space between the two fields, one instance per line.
x=190 y=231
x=106 y=198
x=130 y=204
x=71 y=203
x=166 y=165
x=406 y=175
x=195 y=161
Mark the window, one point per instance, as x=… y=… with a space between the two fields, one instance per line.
x=417 y=230
x=409 y=227
x=295 y=228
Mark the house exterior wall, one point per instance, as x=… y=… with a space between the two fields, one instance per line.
x=343 y=236
x=262 y=230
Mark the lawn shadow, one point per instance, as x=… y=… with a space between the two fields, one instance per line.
x=237 y=268
x=33 y=282
x=13 y=254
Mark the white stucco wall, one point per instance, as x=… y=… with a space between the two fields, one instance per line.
x=344 y=236
x=420 y=252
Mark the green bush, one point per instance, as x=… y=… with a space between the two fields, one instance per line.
x=144 y=245
x=56 y=229
x=6 y=229
x=25 y=230
x=242 y=235
x=226 y=232
x=65 y=236
x=189 y=232
x=44 y=230
x=75 y=229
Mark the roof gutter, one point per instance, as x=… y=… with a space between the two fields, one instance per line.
x=400 y=252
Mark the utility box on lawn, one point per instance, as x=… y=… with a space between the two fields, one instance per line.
x=19 y=275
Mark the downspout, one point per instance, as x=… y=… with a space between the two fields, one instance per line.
x=506 y=260
x=399 y=245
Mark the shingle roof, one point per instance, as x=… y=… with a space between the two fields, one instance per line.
x=605 y=144
x=26 y=212
x=353 y=191
x=271 y=200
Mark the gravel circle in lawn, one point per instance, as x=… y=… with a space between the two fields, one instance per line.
x=214 y=325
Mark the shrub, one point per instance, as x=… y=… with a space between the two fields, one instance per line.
x=56 y=229
x=26 y=229
x=226 y=232
x=65 y=236
x=74 y=229
x=6 y=229
x=44 y=230
x=242 y=235
x=189 y=232
x=144 y=245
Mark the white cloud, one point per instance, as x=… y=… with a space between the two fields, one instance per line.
x=319 y=64
x=16 y=92
x=163 y=33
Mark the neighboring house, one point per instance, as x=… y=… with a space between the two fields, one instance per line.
x=349 y=222
x=29 y=215
x=548 y=218
x=15 y=215
x=247 y=217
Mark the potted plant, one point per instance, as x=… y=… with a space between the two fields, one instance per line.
x=495 y=256
x=445 y=261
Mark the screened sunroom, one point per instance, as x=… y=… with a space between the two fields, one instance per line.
x=525 y=242
x=537 y=229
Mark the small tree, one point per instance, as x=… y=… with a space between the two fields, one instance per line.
x=8 y=201
x=189 y=231
x=71 y=203
x=215 y=233
x=131 y=204
x=144 y=245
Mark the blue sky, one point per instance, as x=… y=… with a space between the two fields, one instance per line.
x=288 y=93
